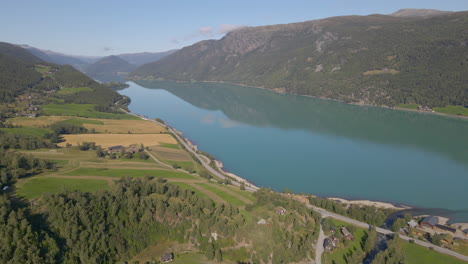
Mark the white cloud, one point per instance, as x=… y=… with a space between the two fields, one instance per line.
x=226 y=28
x=205 y=31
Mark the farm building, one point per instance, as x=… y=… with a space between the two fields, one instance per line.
x=430 y=221
x=346 y=233
x=167 y=257
x=446 y=228
x=116 y=149
x=280 y=210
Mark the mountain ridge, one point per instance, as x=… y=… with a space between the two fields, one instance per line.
x=375 y=59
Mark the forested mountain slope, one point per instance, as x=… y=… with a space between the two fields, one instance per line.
x=20 y=71
x=408 y=57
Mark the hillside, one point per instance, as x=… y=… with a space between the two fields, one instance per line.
x=77 y=62
x=109 y=65
x=28 y=82
x=145 y=57
x=376 y=59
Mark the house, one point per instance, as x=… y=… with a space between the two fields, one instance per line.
x=134 y=148
x=413 y=224
x=261 y=222
x=167 y=257
x=347 y=235
x=116 y=149
x=465 y=232
x=446 y=228
x=430 y=221
x=328 y=244
x=280 y=210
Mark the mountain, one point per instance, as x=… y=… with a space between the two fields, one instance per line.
x=78 y=62
x=17 y=71
x=375 y=59
x=110 y=65
x=145 y=57
x=419 y=13
x=20 y=71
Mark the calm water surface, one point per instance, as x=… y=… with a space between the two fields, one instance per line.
x=317 y=146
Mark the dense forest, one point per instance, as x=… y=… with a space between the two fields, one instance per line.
x=110 y=226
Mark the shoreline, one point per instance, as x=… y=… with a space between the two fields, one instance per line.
x=219 y=165
x=283 y=91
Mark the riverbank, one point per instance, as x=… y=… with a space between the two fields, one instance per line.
x=282 y=90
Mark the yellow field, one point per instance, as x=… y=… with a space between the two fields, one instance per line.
x=389 y=71
x=39 y=121
x=107 y=140
x=124 y=126
x=171 y=154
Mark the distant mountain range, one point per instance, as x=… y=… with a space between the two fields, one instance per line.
x=411 y=56
x=96 y=66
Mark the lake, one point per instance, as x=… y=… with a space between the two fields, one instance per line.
x=317 y=146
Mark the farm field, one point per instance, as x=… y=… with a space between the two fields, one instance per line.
x=114 y=126
x=452 y=110
x=82 y=110
x=107 y=140
x=416 y=254
x=29 y=131
x=129 y=172
x=40 y=185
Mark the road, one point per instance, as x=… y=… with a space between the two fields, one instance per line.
x=325 y=214
x=319 y=246
x=201 y=158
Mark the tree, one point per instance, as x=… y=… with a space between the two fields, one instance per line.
x=219 y=255
x=371 y=240
x=242 y=186
x=210 y=252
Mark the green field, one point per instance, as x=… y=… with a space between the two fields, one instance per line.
x=417 y=254
x=408 y=106
x=29 y=131
x=227 y=197
x=37 y=186
x=66 y=91
x=128 y=172
x=452 y=110
x=167 y=145
x=82 y=110
x=80 y=121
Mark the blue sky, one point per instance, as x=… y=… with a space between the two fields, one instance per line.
x=104 y=27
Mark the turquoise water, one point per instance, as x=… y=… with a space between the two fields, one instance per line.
x=318 y=146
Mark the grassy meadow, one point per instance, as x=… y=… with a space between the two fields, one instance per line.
x=35 y=187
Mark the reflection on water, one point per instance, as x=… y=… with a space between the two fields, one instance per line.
x=319 y=146
x=259 y=107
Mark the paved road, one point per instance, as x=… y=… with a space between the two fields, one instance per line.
x=319 y=246
x=325 y=214
x=203 y=161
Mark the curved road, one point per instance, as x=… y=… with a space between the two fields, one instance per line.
x=201 y=158
x=323 y=212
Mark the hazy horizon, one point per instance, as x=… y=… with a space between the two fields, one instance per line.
x=114 y=27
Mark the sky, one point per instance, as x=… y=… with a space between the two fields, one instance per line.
x=105 y=27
